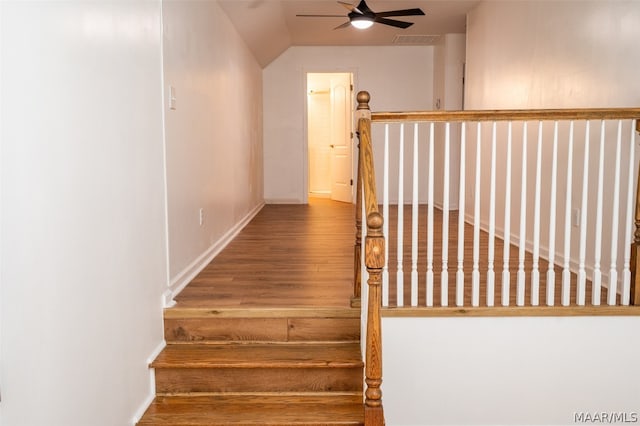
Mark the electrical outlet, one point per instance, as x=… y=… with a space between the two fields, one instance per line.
x=201 y=216
x=575 y=218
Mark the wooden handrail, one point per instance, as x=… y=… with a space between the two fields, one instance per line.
x=374 y=259
x=506 y=115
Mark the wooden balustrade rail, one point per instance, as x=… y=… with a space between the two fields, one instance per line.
x=374 y=245
x=540 y=115
x=510 y=115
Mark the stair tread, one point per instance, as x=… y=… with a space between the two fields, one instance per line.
x=259 y=355
x=262 y=312
x=331 y=397
x=313 y=410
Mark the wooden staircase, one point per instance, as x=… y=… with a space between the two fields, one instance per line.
x=259 y=366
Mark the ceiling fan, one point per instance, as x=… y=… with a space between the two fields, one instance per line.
x=362 y=16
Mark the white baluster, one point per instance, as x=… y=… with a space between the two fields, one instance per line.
x=460 y=272
x=506 y=250
x=551 y=275
x=597 y=272
x=414 y=221
x=475 y=274
x=520 y=283
x=535 y=270
x=400 y=248
x=582 y=275
x=385 y=215
x=429 y=274
x=566 y=266
x=628 y=230
x=444 y=275
x=613 y=269
x=492 y=221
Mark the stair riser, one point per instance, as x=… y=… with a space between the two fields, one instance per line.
x=259 y=398
x=170 y=421
x=261 y=329
x=182 y=380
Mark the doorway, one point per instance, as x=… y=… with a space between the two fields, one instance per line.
x=329 y=135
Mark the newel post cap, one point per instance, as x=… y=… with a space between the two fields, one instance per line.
x=363 y=99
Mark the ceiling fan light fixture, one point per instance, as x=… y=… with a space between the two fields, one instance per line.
x=362 y=23
x=362 y=17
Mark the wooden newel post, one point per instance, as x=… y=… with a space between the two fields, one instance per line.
x=374 y=259
x=363 y=111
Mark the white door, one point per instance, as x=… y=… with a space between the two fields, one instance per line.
x=341 y=140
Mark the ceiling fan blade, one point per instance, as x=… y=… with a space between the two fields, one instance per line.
x=321 y=16
x=350 y=7
x=405 y=12
x=345 y=25
x=393 y=22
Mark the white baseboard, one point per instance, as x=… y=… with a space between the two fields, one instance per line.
x=320 y=194
x=156 y=351
x=544 y=253
x=283 y=201
x=152 y=385
x=452 y=205
x=177 y=285
x=189 y=273
x=167 y=299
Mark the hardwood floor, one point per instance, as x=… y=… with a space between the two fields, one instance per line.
x=467 y=264
x=301 y=255
x=289 y=255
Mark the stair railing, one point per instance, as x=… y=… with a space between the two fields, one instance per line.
x=374 y=257
x=374 y=260
x=574 y=237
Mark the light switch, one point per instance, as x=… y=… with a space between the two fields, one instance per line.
x=172 y=97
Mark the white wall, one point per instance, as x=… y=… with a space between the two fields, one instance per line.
x=508 y=371
x=448 y=95
x=561 y=54
x=83 y=225
x=398 y=78
x=213 y=137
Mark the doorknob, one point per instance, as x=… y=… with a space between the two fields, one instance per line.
x=332 y=146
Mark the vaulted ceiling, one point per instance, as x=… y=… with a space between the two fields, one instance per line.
x=269 y=27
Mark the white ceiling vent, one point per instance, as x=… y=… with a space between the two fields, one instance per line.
x=416 y=39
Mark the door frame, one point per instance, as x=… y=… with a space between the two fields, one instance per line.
x=305 y=126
